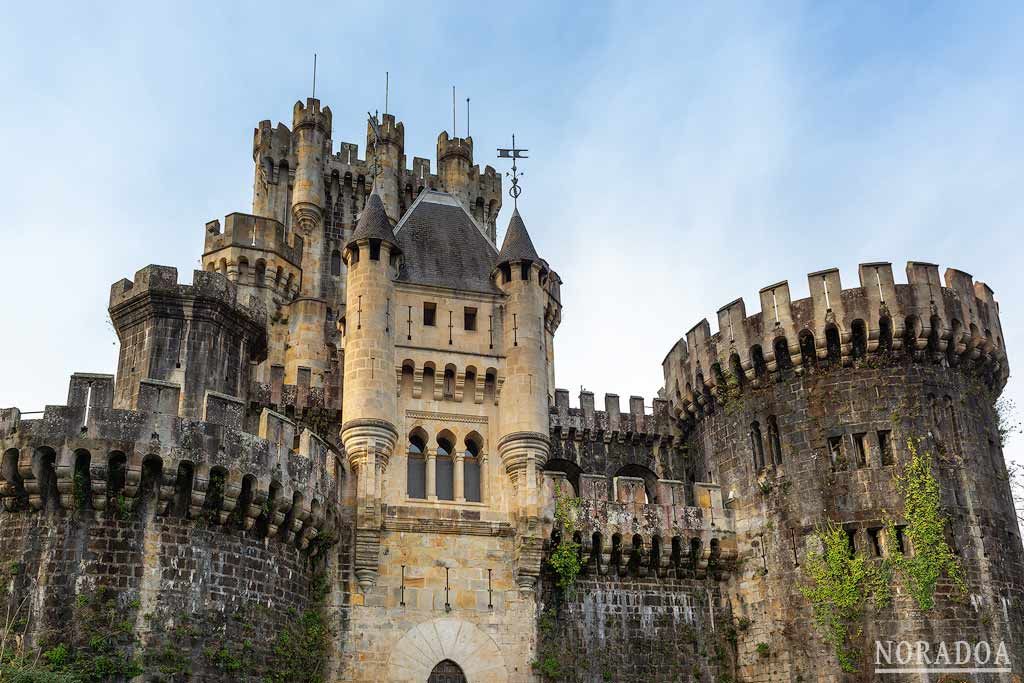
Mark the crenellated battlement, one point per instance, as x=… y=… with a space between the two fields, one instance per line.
x=954 y=320
x=253 y=233
x=270 y=143
x=454 y=147
x=310 y=115
x=154 y=280
x=645 y=532
x=586 y=422
x=391 y=132
x=88 y=455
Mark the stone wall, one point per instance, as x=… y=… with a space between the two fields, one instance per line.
x=818 y=474
x=175 y=597
x=609 y=628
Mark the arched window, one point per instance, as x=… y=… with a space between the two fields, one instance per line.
x=774 y=443
x=885 y=334
x=858 y=331
x=335 y=262
x=261 y=273
x=808 y=354
x=757 y=358
x=781 y=349
x=408 y=376
x=489 y=384
x=444 y=467
x=447 y=671
x=757 y=445
x=417 y=467
x=833 y=344
x=471 y=470
x=449 y=382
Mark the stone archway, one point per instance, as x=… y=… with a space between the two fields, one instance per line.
x=423 y=647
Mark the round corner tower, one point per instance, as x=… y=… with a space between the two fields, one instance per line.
x=369 y=404
x=808 y=414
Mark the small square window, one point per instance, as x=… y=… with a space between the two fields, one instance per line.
x=429 y=314
x=885 y=447
x=860 y=442
x=469 y=319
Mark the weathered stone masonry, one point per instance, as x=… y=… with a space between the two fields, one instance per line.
x=349 y=419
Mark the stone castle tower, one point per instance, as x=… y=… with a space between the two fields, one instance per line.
x=338 y=454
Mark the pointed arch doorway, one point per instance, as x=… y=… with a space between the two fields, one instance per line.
x=447 y=671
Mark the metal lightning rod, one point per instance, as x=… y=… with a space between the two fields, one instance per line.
x=314 y=75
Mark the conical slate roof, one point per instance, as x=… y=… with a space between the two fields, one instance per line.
x=373 y=222
x=517 y=245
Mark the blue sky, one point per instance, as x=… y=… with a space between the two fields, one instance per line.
x=682 y=155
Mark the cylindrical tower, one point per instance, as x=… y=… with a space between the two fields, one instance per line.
x=523 y=410
x=817 y=415
x=369 y=403
x=307 y=348
x=454 y=162
x=312 y=131
x=390 y=154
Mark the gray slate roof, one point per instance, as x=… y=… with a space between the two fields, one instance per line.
x=443 y=246
x=517 y=245
x=373 y=222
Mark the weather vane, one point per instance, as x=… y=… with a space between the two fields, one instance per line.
x=375 y=127
x=513 y=154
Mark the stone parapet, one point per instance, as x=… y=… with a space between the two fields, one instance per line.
x=627 y=535
x=587 y=422
x=253 y=233
x=100 y=458
x=954 y=321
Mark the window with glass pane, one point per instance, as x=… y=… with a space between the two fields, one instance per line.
x=471 y=472
x=417 y=468
x=444 y=471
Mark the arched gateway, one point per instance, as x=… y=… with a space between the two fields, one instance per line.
x=447 y=671
x=446 y=651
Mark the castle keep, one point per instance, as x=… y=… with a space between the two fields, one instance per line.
x=338 y=454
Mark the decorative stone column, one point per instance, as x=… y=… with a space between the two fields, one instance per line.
x=431 y=474
x=460 y=477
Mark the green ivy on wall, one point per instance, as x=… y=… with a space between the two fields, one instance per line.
x=841 y=585
x=565 y=558
x=932 y=557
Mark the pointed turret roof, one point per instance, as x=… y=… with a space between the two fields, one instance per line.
x=517 y=245
x=373 y=222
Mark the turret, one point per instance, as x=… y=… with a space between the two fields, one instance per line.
x=369 y=410
x=271 y=156
x=312 y=131
x=183 y=345
x=523 y=426
x=454 y=163
x=391 y=156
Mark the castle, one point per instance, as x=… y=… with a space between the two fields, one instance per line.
x=339 y=454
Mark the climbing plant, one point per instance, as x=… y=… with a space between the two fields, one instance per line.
x=840 y=585
x=565 y=558
x=932 y=558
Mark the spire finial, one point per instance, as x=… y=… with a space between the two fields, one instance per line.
x=513 y=154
